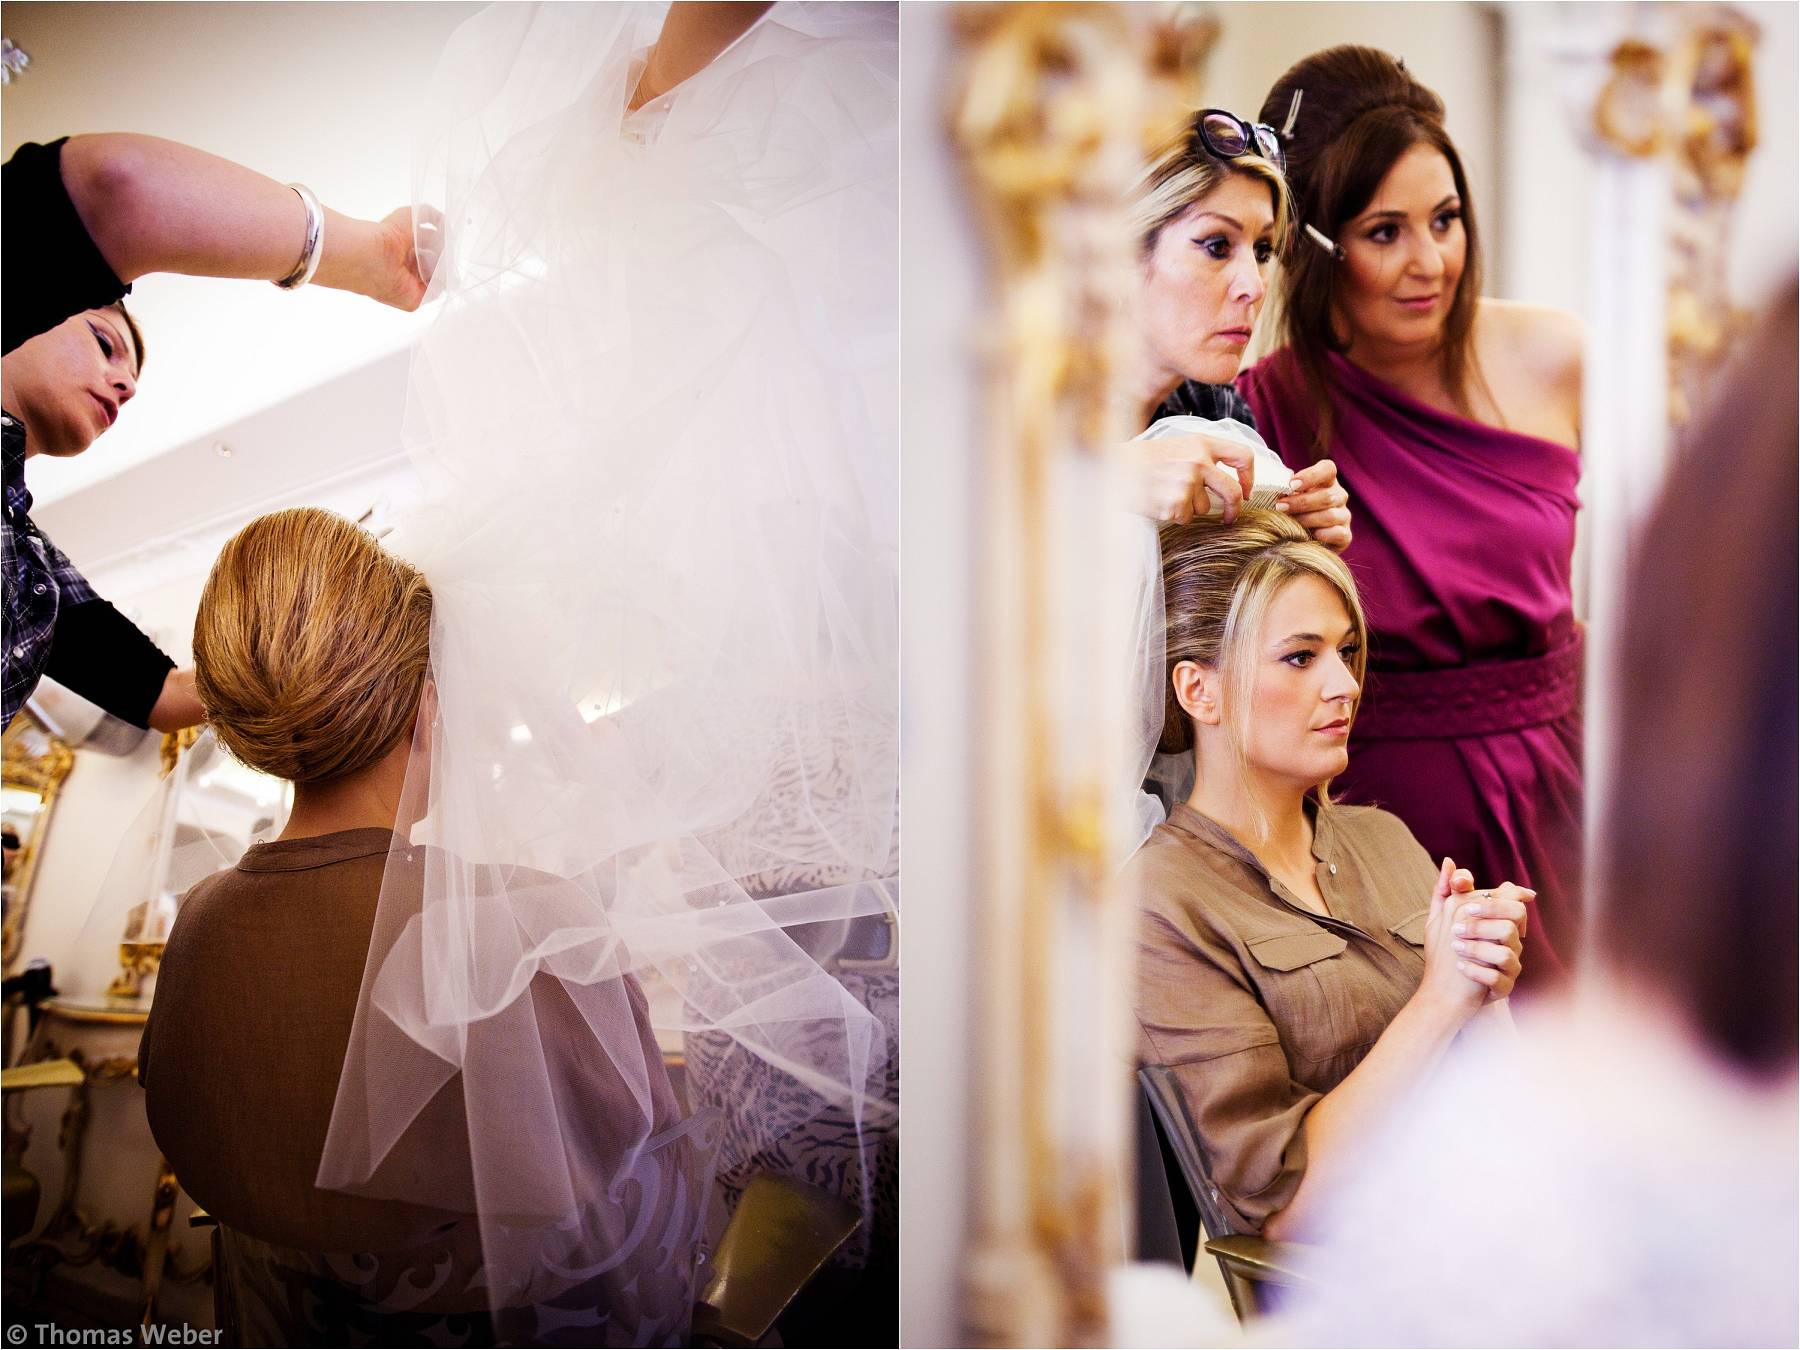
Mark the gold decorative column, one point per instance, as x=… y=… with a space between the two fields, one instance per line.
x=1662 y=98
x=1057 y=109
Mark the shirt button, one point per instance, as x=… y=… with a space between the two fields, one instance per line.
x=38 y=589
x=1332 y=867
x=18 y=653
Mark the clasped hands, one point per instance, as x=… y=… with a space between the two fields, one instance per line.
x=1172 y=474
x=1473 y=939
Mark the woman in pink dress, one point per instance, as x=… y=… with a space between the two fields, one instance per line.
x=1454 y=422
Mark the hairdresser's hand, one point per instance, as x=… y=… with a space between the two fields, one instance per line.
x=1169 y=477
x=1319 y=502
x=380 y=258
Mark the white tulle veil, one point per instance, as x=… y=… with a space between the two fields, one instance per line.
x=654 y=418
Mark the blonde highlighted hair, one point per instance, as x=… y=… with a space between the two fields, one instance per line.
x=1218 y=583
x=1183 y=171
x=311 y=646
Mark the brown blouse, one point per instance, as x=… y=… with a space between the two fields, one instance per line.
x=240 y=1063
x=1261 y=1005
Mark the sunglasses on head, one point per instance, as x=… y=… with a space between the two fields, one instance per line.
x=1228 y=136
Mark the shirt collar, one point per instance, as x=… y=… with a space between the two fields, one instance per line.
x=1324 y=843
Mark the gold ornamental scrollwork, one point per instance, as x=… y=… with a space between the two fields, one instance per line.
x=1715 y=129
x=36 y=764
x=174 y=743
x=1692 y=103
x=1629 y=112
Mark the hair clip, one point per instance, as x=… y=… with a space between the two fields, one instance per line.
x=1293 y=111
x=1324 y=242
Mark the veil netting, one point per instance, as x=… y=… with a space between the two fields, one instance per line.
x=652 y=800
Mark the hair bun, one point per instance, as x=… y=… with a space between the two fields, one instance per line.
x=1340 y=86
x=310 y=646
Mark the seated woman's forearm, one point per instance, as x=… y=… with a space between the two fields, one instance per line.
x=1342 y=1119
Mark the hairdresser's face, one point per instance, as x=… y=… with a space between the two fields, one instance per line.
x=1204 y=281
x=69 y=384
x=1304 y=689
x=1403 y=257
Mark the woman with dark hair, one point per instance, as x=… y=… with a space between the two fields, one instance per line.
x=1630 y=1161
x=1454 y=420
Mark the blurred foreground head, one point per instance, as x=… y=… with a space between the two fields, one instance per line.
x=311 y=646
x=1700 y=901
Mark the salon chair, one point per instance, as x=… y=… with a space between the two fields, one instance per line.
x=1178 y=1205
x=781 y=1235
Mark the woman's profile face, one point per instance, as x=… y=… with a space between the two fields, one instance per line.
x=1204 y=281
x=1304 y=688
x=1403 y=256
x=68 y=384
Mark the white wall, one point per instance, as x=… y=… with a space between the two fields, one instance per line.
x=1543 y=206
x=940 y=297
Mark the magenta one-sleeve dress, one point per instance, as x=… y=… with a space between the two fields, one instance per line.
x=1470 y=723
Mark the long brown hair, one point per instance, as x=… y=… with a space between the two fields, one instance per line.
x=1698 y=901
x=1358 y=112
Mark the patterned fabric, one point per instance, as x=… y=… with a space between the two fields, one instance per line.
x=796 y=1135
x=1214 y=401
x=57 y=626
x=436 y=1295
x=39 y=580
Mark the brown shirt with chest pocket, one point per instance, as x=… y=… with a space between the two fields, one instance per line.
x=1259 y=1004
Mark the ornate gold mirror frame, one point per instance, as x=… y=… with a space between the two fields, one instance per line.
x=36 y=763
x=1058 y=107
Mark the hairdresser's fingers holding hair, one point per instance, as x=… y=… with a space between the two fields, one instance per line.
x=1223 y=483
x=1330 y=528
x=1320 y=504
x=1169 y=477
x=1314 y=488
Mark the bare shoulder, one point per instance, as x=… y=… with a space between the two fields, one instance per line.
x=1542 y=338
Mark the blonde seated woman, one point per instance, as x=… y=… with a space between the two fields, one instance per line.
x=311 y=649
x=1301 y=965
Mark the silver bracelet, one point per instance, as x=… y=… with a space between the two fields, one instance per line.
x=315 y=241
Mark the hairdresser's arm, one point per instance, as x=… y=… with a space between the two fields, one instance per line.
x=178 y=705
x=153 y=205
x=693 y=33
x=1455 y=986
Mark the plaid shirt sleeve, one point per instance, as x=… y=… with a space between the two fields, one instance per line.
x=71 y=586
x=57 y=626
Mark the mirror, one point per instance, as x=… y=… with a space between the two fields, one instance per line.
x=209 y=812
x=36 y=763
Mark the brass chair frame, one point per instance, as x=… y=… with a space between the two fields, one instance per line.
x=1178 y=1203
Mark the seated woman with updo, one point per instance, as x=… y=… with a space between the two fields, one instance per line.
x=1300 y=964
x=311 y=649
